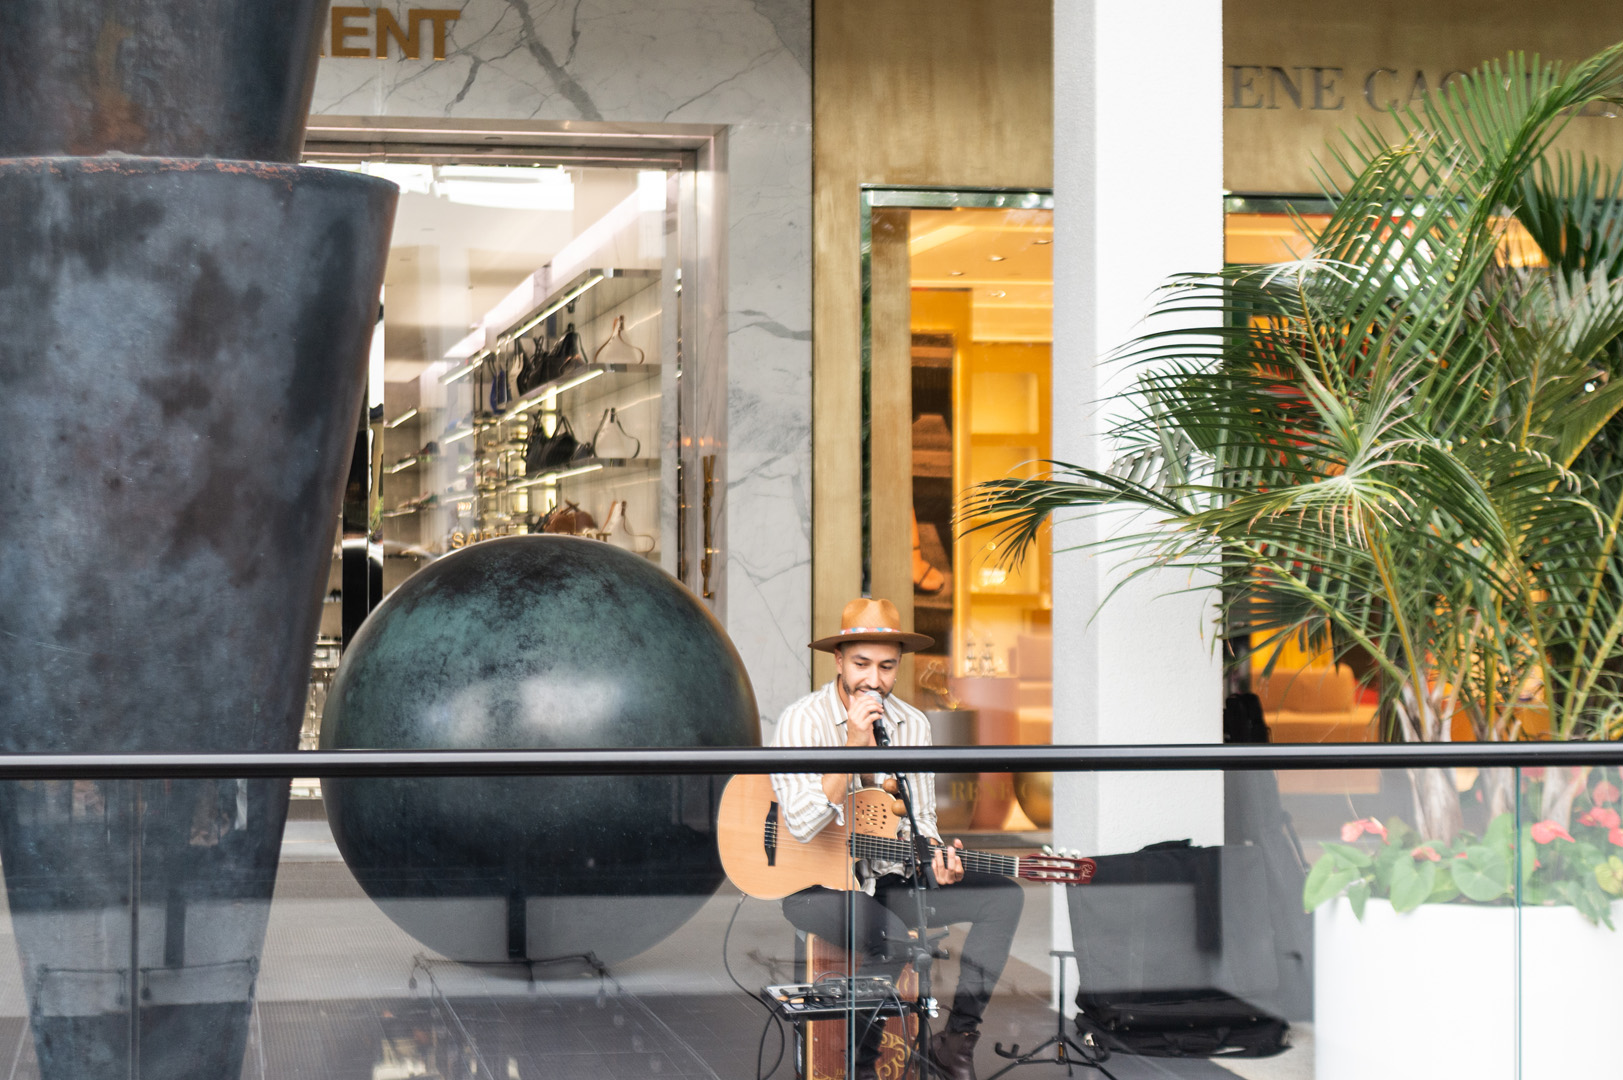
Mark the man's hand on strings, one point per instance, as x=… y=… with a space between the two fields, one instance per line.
x=945 y=864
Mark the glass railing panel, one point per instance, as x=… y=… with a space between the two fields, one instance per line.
x=1410 y=881
x=1570 y=877
x=1186 y=944
x=442 y=927
x=1260 y=923
x=155 y=892
x=547 y=926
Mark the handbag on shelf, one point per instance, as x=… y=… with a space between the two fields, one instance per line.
x=611 y=440
x=496 y=366
x=532 y=365
x=617 y=531
x=616 y=349
x=566 y=356
x=568 y=519
x=543 y=451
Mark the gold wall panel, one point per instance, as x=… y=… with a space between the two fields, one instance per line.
x=1297 y=72
x=942 y=93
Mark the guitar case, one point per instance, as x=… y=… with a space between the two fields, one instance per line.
x=1177 y=953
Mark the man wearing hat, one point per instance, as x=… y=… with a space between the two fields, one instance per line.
x=867 y=651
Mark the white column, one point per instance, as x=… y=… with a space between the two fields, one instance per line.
x=1138 y=181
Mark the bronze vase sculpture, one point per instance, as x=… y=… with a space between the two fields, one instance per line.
x=183 y=339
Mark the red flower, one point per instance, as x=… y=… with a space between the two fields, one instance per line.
x=1603 y=816
x=1460 y=855
x=1426 y=851
x=1605 y=792
x=1616 y=837
x=1534 y=773
x=1354 y=829
x=1546 y=831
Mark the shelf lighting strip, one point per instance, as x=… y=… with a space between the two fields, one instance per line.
x=550 y=395
x=466 y=369
x=552 y=478
x=551 y=309
x=560 y=304
x=401 y=419
x=400 y=466
x=463 y=434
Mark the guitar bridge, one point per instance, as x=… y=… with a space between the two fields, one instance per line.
x=769 y=836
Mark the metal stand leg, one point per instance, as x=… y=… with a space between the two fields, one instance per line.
x=1066 y=1051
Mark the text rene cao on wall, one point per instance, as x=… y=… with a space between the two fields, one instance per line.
x=1313 y=88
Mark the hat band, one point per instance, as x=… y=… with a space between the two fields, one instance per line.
x=870 y=630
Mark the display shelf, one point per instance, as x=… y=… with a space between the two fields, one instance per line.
x=587 y=295
x=584 y=466
x=576 y=380
x=594 y=303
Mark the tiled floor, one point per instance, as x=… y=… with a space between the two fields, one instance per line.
x=344 y=994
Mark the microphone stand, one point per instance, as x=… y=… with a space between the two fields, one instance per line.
x=921 y=947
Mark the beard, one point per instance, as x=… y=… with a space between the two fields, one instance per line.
x=852 y=691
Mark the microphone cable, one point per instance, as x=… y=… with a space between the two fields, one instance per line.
x=772 y=1016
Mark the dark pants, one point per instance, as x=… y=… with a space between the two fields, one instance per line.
x=876 y=927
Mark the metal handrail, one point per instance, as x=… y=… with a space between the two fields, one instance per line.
x=675 y=761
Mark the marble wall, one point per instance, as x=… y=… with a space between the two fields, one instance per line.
x=744 y=64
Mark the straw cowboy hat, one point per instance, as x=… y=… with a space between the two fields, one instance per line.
x=872 y=620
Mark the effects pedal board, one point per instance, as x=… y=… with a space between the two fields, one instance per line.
x=835 y=998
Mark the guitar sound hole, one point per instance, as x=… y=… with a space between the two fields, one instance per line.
x=871 y=819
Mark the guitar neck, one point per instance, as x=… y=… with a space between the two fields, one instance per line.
x=886 y=849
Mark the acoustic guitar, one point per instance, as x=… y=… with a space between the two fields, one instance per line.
x=762 y=858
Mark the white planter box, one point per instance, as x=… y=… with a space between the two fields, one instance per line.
x=1434 y=993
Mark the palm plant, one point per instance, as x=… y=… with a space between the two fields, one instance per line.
x=1402 y=443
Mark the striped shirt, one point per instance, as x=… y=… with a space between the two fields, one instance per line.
x=818 y=719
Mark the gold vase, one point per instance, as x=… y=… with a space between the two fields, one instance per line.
x=1035 y=790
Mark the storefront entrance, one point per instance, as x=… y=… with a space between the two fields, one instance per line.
x=527 y=368
x=959 y=337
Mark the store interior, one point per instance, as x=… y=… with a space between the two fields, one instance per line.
x=979 y=311
x=523 y=376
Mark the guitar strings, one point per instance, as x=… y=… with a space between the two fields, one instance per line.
x=1037 y=867
x=894 y=848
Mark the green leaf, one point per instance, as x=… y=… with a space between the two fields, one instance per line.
x=1385 y=860
x=1358 y=895
x=1348 y=854
x=1609 y=875
x=1444 y=891
x=1592 y=904
x=1483 y=875
x=1325 y=881
x=1500 y=832
x=1411 y=884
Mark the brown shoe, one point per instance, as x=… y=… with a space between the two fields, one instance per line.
x=954 y=1053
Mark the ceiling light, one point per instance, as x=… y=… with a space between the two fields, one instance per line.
x=1050 y=240
x=956 y=273
x=997 y=294
x=994 y=258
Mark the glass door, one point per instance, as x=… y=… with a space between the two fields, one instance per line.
x=958 y=372
x=526 y=369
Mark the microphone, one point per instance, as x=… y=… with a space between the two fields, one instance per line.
x=880 y=735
